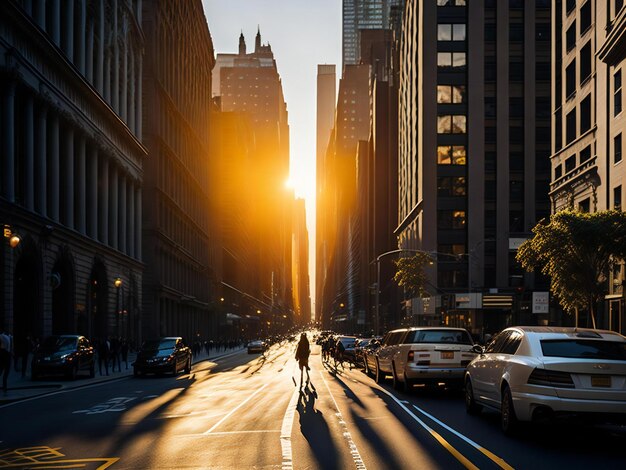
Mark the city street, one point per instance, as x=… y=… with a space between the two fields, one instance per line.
x=245 y=411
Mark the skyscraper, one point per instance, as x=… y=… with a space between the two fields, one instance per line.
x=363 y=14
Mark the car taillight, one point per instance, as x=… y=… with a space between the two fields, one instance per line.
x=411 y=357
x=551 y=378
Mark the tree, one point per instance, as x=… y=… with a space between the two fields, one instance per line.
x=576 y=250
x=410 y=273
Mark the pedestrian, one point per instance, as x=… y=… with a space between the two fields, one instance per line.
x=6 y=346
x=114 y=354
x=124 y=351
x=302 y=356
x=103 y=355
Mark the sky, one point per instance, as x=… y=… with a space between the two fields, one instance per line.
x=303 y=34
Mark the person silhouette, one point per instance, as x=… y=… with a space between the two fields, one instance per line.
x=302 y=356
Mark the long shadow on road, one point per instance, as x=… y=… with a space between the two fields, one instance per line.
x=315 y=430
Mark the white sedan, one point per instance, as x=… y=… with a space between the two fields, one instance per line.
x=542 y=373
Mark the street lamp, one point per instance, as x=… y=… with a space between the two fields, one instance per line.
x=13 y=238
x=118 y=284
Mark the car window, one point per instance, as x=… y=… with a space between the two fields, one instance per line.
x=439 y=336
x=512 y=343
x=498 y=341
x=386 y=338
x=584 y=349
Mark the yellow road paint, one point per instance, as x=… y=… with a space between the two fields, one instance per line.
x=44 y=457
x=457 y=455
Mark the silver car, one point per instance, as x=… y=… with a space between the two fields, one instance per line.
x=541 y=373
x=424 y=355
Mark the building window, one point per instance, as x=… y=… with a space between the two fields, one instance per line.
x=451 y=124
x=450 y=94
x=570 y=5
x=454 y=60
x=558 y=172
x=570 y=126
x=451 y=3
x=570 y=163
x=585 y=154
x=451 y=155
x=617 y=198
x=570 y=37
x=618 y=6
x=451 y=220
x=585 y=63
x=584 y=205
x=585 y=17
x=585 y=114
x=617 y=148
x=451 y=186
x=570 y=80
x=451 y=32
x=617 y=93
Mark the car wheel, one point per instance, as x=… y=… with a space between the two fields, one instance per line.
x=188 y=366
x=395 y=381
x=508 y=420
x=378 y=375
x=471 y=407
x=92 y=370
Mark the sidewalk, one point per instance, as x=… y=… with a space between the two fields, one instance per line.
x=20 y=388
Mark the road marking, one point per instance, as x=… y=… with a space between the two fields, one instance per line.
x=285 y=431
x=460 y=457
x=262 y=431
x=233 y=410
x=497 y=460
x=143 y=409
x=117 y=404
x=356 y=457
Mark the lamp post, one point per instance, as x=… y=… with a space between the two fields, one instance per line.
x=118 y=285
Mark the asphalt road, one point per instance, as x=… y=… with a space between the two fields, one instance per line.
x=245 y=412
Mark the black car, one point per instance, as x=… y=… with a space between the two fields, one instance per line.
x=63 y=354
x=161 y=355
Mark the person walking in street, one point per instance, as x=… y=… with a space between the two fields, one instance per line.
x=124 y=351
x=302 y=356
x=6 y=345
x=103 y=355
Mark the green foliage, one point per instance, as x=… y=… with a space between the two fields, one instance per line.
x=576 y=250
x=410 y=273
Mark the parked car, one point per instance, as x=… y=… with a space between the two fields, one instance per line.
x=256 y=346
x=424 y=355
x=541 y=373
x=63 y=354
x=369 y=353
x=168 y=354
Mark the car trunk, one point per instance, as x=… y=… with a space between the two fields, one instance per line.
x=593 y=379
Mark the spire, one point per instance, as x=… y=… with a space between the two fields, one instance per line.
x=257 y=43
x=242 y=44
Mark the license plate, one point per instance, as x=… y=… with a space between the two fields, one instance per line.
x=601 y=381
x=447 y=354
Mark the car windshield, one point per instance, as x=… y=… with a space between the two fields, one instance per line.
x=439 y=336
x=56 y=343
x=584 y=349
x=159 y=344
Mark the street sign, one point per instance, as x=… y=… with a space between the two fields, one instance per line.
x=541 y=302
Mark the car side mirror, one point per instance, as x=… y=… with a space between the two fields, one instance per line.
x=478 y=349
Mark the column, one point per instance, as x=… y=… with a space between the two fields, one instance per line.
x=39 y=14
x=115 y=102
x=138 y=119
x=68 y=30
x=124 y=83
x=55 y=26
x=81 y=40
x=28 y=7
x=99 y=72
x=131 y=98
x=40 y=155
x=8 y=141
x=103 y=198
x=53 y=166
x=92 y=192
x=67 y=214
x=122 y=213
x=89 y=62
x=113 y=207
x=138 y=225
x=81 y=177
x=29 y=153
x=131 y=219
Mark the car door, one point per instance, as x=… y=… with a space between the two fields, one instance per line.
x=499 y=361
x=386 y=351
x=484 y=370
x=180 y=354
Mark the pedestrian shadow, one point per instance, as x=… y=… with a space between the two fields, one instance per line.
x=315 y=430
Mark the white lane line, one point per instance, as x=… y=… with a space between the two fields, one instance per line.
x=234 y=409
x=498 y=460
x=356 y=457
x=285 y=431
